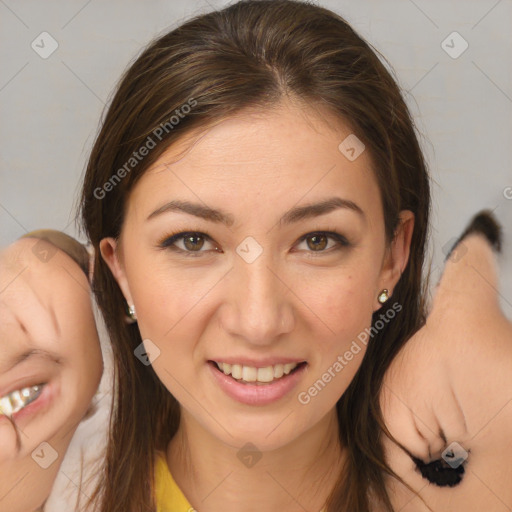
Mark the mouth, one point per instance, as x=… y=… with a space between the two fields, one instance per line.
x=257 y=376
x=257 y=386
x=26 y=400
x=18 y=399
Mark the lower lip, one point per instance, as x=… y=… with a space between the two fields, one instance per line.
x=42 y=402
x=253 y=394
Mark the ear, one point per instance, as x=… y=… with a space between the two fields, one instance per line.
x=396 y=256
x=111 y=254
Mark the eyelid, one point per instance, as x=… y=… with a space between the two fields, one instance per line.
x=329 y=234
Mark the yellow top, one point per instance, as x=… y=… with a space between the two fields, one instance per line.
x=169 y=497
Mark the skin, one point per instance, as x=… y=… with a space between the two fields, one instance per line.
x=460 y=364
x=291 y=301
x=36 y=313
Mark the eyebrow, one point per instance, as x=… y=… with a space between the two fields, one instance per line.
x=296 y=214
x=29 y=354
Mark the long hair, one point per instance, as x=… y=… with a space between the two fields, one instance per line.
x=251 y=54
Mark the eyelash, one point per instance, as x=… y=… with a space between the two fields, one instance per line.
x=168 y=241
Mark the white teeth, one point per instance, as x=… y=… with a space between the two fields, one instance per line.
x=288 y=368
x=278 y=371
x=236 y=371
x=249 y=373
x=16 y=400
x=253 y=374
x=265 y=374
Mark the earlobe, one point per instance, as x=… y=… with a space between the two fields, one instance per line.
x=110 y=254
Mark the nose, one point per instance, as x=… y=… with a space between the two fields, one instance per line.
x=259 y=305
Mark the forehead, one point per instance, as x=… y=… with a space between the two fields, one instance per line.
x=274 y=155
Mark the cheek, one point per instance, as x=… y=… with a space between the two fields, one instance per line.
x=343 y=302
x=169 y=302
x=83 y=354
x=346 y=308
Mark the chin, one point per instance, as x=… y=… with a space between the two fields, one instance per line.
x=265 y=437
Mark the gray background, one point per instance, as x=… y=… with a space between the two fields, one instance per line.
x=50 y=110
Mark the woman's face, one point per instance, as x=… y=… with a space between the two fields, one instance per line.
x=256 y=283
x=50 y=367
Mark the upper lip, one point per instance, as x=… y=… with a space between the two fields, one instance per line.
x=257 y=363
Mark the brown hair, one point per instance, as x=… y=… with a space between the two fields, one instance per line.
x=251 y=55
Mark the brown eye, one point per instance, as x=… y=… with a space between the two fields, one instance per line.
x=323 y=242
x=193 y=242
x=318 y=242
x=188 y=243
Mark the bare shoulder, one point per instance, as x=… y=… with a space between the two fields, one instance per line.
x=447 y=397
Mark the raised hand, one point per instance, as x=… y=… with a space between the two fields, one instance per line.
x=447 y=397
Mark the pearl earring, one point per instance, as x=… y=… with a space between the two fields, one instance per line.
x=383 y=296
x=131 y=314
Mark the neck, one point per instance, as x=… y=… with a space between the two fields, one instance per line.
x=297 y=476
